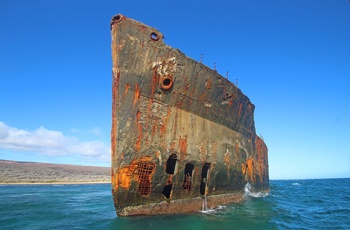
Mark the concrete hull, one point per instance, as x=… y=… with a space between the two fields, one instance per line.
x=180 y=131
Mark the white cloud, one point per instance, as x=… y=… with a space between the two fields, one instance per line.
x=50 y=143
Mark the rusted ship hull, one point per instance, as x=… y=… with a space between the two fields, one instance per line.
x=181 y=133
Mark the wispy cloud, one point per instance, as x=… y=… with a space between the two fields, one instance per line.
x=95 y=131
x=50 y=143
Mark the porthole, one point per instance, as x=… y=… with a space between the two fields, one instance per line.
x=166 y=82
x=154 y=36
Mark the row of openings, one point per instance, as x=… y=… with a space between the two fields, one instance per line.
x=188 y=173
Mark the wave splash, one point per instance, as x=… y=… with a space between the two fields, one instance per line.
x=249 y=193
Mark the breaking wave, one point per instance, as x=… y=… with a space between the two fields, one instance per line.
x=249 y=193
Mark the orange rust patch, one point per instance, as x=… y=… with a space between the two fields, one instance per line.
x=208 y=83
x=250 y=169
x=137 y=94
x=183 y=147
x=127 y=87
x=141 y=170
x=244 y=168
x=124 y=175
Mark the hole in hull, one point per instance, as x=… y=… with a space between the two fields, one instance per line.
x=154 y=36
x=203 y=185
x=171 y=164
x=167 y=190
x=188 y=176
x=166 y=82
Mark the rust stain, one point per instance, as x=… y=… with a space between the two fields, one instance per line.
x=183 y=147
x=250 y=169
x=127 y=87
x=154 y=129
x=141 y=170
x=261 y=157
x=227 y=159
x=136 y=94
x=187 y=86
x=244 y=168
x=208 y=83
x=124 y=176
x=239 y=110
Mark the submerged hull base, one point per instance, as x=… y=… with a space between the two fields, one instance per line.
x=182 y=205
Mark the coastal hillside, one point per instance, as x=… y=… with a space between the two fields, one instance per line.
x=34 y=172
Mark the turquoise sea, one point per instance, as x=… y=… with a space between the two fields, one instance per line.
x=291 y=204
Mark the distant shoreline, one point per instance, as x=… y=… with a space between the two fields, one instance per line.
x=33 y=173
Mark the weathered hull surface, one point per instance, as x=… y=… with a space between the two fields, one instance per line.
x=181 y=133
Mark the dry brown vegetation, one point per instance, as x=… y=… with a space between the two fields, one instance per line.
x=33 y=172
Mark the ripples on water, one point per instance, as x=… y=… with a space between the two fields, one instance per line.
x=291 y=204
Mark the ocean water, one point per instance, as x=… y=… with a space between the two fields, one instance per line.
x=291 y=204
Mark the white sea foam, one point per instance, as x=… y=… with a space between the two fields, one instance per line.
x=209 y=211
x=221 y=207
x=205 y=209
x=295 y=184
x=248 y=192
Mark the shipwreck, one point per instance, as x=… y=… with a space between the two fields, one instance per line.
x=181 y=133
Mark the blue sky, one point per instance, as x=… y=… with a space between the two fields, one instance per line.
x=291 y=58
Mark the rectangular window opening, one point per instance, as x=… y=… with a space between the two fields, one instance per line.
x=188 y=176
x=203 y=185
